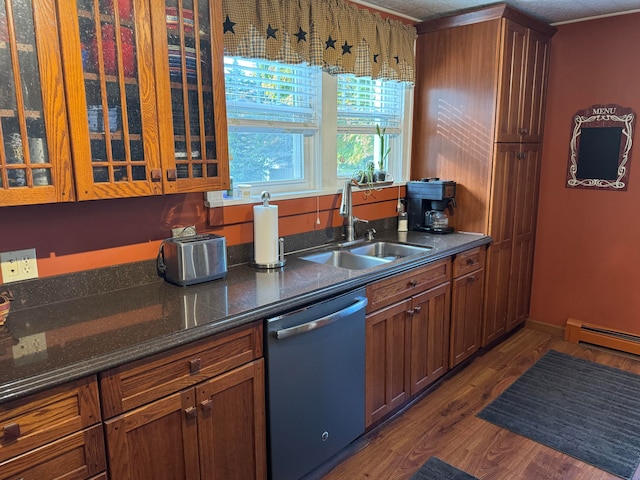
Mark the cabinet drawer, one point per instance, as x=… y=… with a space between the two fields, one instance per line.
x=149 y=379
x=79 y=456
x=468 y=261
x=34 y=421
x=386 y=292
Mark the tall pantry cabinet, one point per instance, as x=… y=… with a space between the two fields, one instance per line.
x=478 y=120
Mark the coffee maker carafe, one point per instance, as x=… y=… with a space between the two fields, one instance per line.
x=429 y=202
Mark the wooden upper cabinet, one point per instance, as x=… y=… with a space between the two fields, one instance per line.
x=191 y=97
x=35 y=155
x=142 y=80
x=525 y=57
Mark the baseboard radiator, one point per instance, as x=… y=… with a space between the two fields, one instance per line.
x=577 y=331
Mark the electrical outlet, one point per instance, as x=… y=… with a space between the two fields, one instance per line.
x=19 y=265
x=30 y=345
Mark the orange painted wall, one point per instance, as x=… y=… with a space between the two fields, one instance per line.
x=81 y=236
x=587 y=257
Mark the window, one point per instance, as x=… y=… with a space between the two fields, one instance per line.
x=363 y=105
x=292 y=125
x=273 y=113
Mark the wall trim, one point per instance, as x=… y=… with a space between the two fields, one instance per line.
x=553 y=330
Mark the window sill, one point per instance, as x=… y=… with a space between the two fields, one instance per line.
x=219 y=199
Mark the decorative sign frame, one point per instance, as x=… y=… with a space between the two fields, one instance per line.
x=600 y=151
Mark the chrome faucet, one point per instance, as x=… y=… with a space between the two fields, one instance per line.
x=346 y=210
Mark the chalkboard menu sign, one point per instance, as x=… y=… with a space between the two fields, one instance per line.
x=600 y=153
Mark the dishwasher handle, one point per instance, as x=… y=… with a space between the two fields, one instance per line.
x=360 y=303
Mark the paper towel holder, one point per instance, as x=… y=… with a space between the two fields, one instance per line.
x=266 y=196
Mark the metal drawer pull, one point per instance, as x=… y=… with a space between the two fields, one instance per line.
x=207 y=405
x=469 y=261
x=11 y=431
x=195 y=365
x=360 y=303
x=413 y=283
x=191 y=412
x=417 y=309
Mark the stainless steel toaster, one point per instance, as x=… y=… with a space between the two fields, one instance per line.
x=192 y=259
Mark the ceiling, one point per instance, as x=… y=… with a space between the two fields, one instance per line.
x=549 y=11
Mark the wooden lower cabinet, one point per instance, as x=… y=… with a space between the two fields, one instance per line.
x=387 y=372
x=214 y=430
x=76 y=456
x=53 y=434
x=466 y=316
x=407 y=342
x=429 y=336
x=466 y=305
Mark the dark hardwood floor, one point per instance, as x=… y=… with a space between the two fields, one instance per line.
x=444 y=424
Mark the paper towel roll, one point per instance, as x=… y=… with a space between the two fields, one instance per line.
x=265 y=234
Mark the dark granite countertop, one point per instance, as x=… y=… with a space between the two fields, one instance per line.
x=70 y=339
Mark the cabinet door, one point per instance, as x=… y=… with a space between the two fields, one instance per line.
x=466 y=316
x=511 y=83
x=76 y=456
x=188 y=47
x=159 y=440
x=387 y=372
x=535 y=85
x=35 y=155
x=526 y=175
x=429 y=336
x=499 y=253
x=111 y=94
x=232 y=424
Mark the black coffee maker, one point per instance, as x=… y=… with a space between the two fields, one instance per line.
x=429 y=200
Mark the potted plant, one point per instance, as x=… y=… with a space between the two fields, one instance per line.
x=384 y=153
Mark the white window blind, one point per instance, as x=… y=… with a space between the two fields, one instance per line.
x=364 y=103
x=259 y=91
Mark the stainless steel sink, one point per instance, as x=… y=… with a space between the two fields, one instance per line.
x=388 y=250
x=365 y=256
x=343 y=259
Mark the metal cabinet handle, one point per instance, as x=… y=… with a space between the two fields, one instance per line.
x=413 y=282
x=191 y=412
x=469 y=261
x=411 y=312
x=195 y=365
x=11 y=431
x=471 y=279
x=207 y=405
x=524 y=131
x=417 y=309
x=360 y=303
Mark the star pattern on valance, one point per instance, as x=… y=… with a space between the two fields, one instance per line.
x=301 y=35
x=228 y=25
x=271 y=32
x=333 y=34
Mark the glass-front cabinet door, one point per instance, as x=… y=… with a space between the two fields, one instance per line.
x=35 y=157
x=111 y=93
x=140 y=76
x=190 y=76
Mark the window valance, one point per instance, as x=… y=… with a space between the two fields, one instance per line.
x=333 y=34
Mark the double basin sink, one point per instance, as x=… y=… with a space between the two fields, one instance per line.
x=367 y=255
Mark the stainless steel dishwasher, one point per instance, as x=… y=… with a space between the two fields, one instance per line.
x=315 y=383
